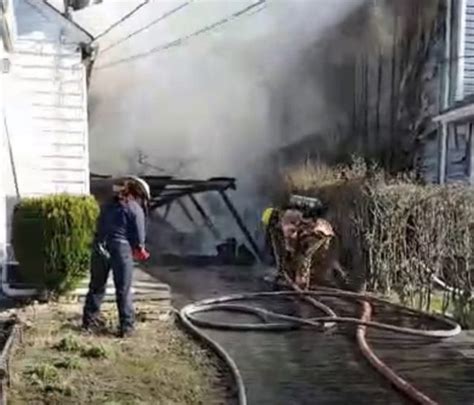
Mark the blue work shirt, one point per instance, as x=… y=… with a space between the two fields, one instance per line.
x=122 y=221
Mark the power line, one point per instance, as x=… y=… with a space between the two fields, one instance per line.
x=124 y=18
x=182 y=40
x=160 y=18
x=258 y=10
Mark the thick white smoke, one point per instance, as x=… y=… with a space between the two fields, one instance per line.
x=217 y=104
x=214 y=103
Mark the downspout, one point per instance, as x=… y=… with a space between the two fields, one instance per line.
x=6 y=33
x=66 y=12
x=445 y=94
x=7 y=36
x=89 y=53
x=8 y=47
x=5 y=285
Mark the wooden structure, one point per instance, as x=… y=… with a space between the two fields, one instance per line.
x=167 y=191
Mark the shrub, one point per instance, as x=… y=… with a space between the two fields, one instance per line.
x=43 y=374
x=52 y=240
x=68 y=343
x=68 y=363
x=396 y=234
x=95 y=352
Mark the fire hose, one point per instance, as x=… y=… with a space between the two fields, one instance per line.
x=273 y=322
x=448 y=288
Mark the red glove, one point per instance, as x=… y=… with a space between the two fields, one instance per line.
x=141 y=254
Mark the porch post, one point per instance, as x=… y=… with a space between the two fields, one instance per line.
x=445 y=95
x=470 y=155
x=443 y=152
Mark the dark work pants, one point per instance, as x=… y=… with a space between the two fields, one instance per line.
x=121 y=262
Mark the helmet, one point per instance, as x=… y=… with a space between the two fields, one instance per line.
x=309 y=206
x=266 y=216
x=142 y=185
x=136 y=183
x=310 y=203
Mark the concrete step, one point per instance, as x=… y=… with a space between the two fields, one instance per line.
x=145 y=288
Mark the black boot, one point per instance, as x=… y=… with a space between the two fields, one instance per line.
x=94 y=324
x=126 y=332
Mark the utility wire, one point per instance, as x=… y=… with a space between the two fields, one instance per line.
x=182 y=40
x=124 y=18
x=157 y=20
x=264 y=6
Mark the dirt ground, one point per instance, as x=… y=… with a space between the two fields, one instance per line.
x=57 y=363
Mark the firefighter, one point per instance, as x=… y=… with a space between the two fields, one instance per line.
x=297 y=229
x=283 y=224
x=281 y=229
x=119 y=240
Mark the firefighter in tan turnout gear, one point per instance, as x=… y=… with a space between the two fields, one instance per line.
x=304 y=244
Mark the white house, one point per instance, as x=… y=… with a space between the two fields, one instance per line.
x=456 y=143
x=45 y=59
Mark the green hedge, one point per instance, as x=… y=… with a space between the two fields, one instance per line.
x=52 y=240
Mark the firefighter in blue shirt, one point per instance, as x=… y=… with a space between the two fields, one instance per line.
x=120 y=238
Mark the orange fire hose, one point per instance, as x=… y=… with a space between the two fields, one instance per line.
x=402 y=385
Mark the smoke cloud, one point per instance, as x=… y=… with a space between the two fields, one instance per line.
x=220 y=103
x=217 y=103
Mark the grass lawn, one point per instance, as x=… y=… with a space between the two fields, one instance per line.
x=56 y=363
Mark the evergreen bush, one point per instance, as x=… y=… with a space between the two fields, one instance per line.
x=52 y=238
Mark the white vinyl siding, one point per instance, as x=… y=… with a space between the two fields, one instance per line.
x=52 y=78
x=463 y=57
x=45 y=100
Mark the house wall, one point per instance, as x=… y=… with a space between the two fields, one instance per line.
x=459 y=86
x=461 y=64
x=398 y=88
x=46 y=108
x=456 y=163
